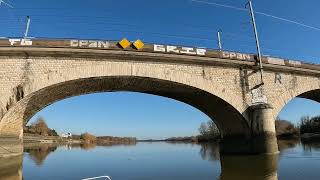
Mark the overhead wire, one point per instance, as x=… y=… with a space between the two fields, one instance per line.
x=220 y=5
x=301 y=24
x=96 y=24
x=129 y=30
x=80 y=20
x=159 y=34
x=260 y=13
x=227 y=35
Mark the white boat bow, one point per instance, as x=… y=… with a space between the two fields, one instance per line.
x=98 y=177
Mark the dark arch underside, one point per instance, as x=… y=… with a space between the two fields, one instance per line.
x=227 y=118
x=312 y=95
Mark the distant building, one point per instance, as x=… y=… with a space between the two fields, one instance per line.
x=66 y=135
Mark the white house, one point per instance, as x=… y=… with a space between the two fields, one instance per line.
x=66 y=135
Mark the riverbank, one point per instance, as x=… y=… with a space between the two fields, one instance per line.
x=34 y=138
x=191 y=139
x=291 y=137
x=103 y=140
x=310 y=137
x=302 y=137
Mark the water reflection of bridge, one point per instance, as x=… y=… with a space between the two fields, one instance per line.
x=11 y=168
x=262 y=167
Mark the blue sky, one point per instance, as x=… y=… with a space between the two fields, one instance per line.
x=169 y=22
x=124 y=114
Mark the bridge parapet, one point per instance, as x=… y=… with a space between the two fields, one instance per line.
x=139 y=46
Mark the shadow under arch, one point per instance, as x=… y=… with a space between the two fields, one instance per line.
x=311 y=95
x=228 y=119
x=310 y=99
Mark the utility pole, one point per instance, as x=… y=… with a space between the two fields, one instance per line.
x=257 y=39
x=27 y=27
x=219 y=40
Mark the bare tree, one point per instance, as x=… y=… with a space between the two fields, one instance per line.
x=203 y=129
x=41 y=127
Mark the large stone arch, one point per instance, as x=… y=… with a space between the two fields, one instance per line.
x=305 y=90
x=312 y=95
x=212 y=98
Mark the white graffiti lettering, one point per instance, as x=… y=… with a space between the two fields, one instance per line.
x=187 y=50
x=294 y=63
x=159 y=48
x=276 y=61
x=258 y=96
x=172 y=49
x=89 y=43
x=233 y=55
x=22 y=42
x=179 y=50
x=201 y=52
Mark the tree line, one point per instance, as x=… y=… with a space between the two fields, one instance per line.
x=208 y=131
x=284 y=129
x=40 y=127
x=310 y=125
x=307 y=125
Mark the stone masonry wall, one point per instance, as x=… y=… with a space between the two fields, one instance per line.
x=21 y=77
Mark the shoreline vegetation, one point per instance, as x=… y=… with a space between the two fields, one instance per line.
x=310 y=128
x=307 y=130
x=38 y=132
x=208 y=132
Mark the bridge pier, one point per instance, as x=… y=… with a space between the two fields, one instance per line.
x=10 y=146
x=261 y=140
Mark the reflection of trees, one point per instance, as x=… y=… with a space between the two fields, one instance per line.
x=88 y=146
x=287 y=144
x=115 y=143
x=310 y=146
x=210 y=151
x=39 y=153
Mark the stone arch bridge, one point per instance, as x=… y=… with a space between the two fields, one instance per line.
x=226 y=86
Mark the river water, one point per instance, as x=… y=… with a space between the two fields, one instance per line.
x=163 y=161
